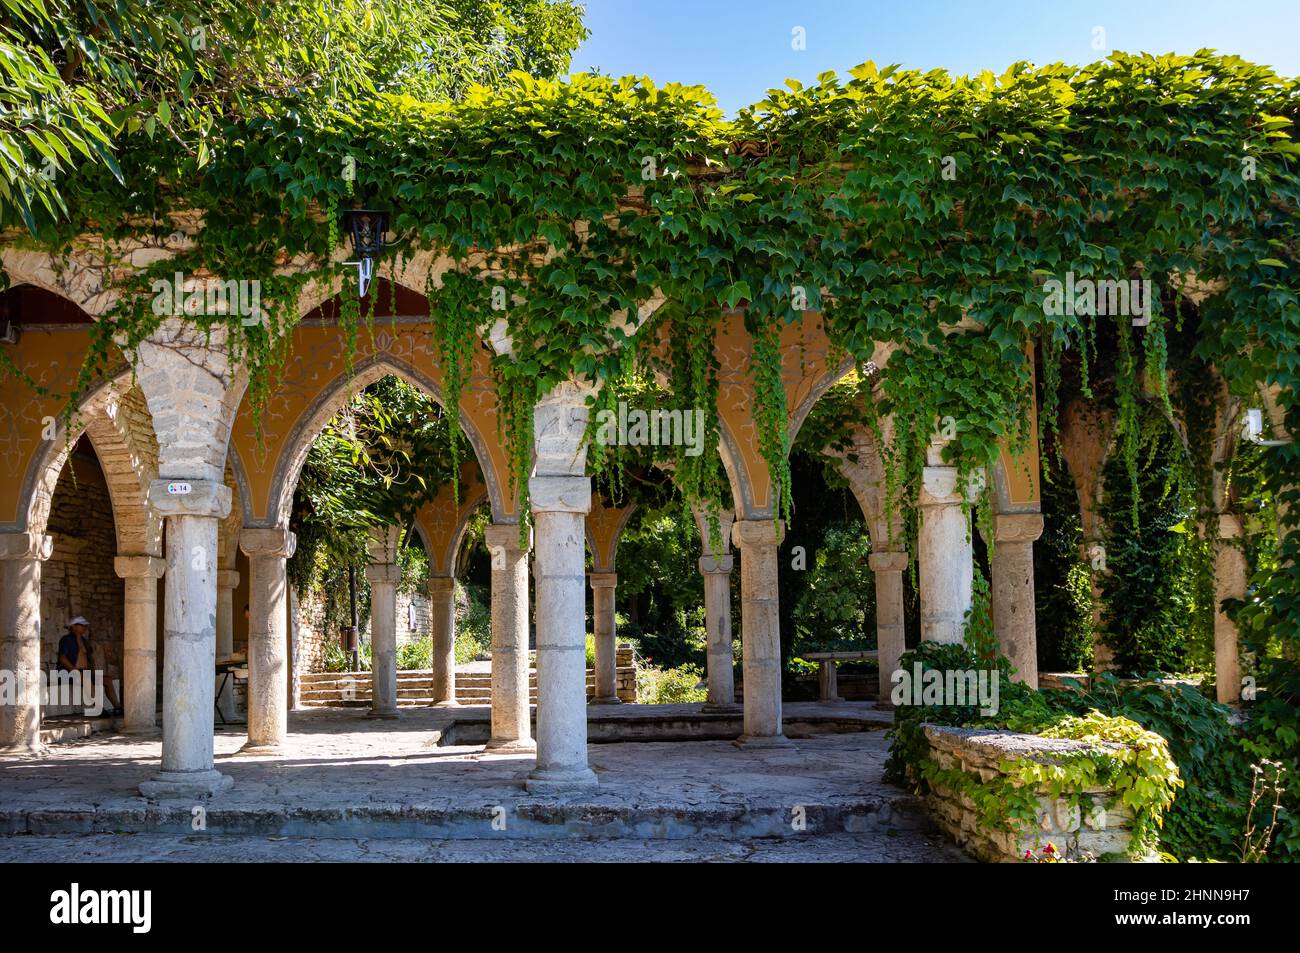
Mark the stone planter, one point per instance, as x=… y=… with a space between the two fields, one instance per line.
x=1085 y=824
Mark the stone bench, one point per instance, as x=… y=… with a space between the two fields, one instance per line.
x=827 y=673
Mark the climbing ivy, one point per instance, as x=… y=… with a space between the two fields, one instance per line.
x=1142 y=775
x=916 y=210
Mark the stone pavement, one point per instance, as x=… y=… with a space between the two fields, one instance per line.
x=894 y=847
x=346 y=782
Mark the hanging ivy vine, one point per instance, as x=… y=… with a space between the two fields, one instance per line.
x=918 y=210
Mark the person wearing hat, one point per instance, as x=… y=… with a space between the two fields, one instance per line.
x=77 y=652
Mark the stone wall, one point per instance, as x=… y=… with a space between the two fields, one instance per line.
x=1095 y=828
x=413 y=607
x=78 y=578
x=624 y=674
x=311 y=632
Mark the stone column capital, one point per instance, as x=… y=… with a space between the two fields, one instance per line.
x=441 y=585
x=559 y=426
x=381 y=545
x=757 y=534
x=190 y=498
x=725 y=520
x=1017 y=527
x=227 y=579
x=938 y=443
x=136 y=567
x=560 y=494
x=26 y=546
x=273 y=541
x=504 y=537
x=381 y=573
x=886 y=561
x=716 y=565
x=939 y=487
x=603 y=580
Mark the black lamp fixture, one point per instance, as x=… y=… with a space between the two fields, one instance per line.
x=367 y=226
x=8 y=329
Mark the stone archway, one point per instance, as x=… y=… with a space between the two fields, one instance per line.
x=604 y=529
x=441 y=524
x=116 y=421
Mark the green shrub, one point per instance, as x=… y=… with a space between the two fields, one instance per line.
x=335 y=659
x=1214 y=758
x=473 y=625
x=415 y=655
x=672 y=686
x=837 y=606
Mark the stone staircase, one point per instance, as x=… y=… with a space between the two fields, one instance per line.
x=415 y=689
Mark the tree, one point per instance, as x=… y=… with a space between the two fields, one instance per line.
x=80 y=76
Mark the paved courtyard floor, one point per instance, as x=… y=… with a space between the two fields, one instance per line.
x=349 y=787
x=893 y=847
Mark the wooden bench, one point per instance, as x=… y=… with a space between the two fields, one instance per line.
x=827 y=677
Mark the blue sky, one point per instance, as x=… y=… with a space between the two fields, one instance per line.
x=740 y=48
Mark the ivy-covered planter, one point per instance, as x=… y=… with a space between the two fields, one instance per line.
x=1000 y=794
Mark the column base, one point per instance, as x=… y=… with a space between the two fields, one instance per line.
x=830 y=701
x=512 y=746
x=607 y=700
x=37 y=750
x=186 y=784
x=452 y=703
x=721 y=708
x=560 y=780
x=384 y=714
x=262 y=751
x=757 y=742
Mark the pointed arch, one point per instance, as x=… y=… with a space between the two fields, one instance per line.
x=333 y=398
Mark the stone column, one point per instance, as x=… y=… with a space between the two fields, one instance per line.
x=560 y=495
x=268 y=609
x=891 y=637
x=1012 y=591
x=384 y=575
x=511 y=722
x=140 y=642
x=1229 y=583
x=945 y=555
x=192 y=510
x=717 y=625
x=560 y=505
x=442 y=609
x=1093 y=554
x=603 y=587
x=760 y=630
x=21 y=555
x=227 y=583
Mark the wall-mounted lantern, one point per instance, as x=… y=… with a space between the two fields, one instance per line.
x=367 y=227
x=1252 y=429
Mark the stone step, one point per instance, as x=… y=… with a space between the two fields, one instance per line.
x=414 y=688
x=528 y=818
x=405 y=698
x=363 y=678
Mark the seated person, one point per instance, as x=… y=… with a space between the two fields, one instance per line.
x=77 y=653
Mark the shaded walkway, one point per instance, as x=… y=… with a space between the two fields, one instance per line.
x=346 y=776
